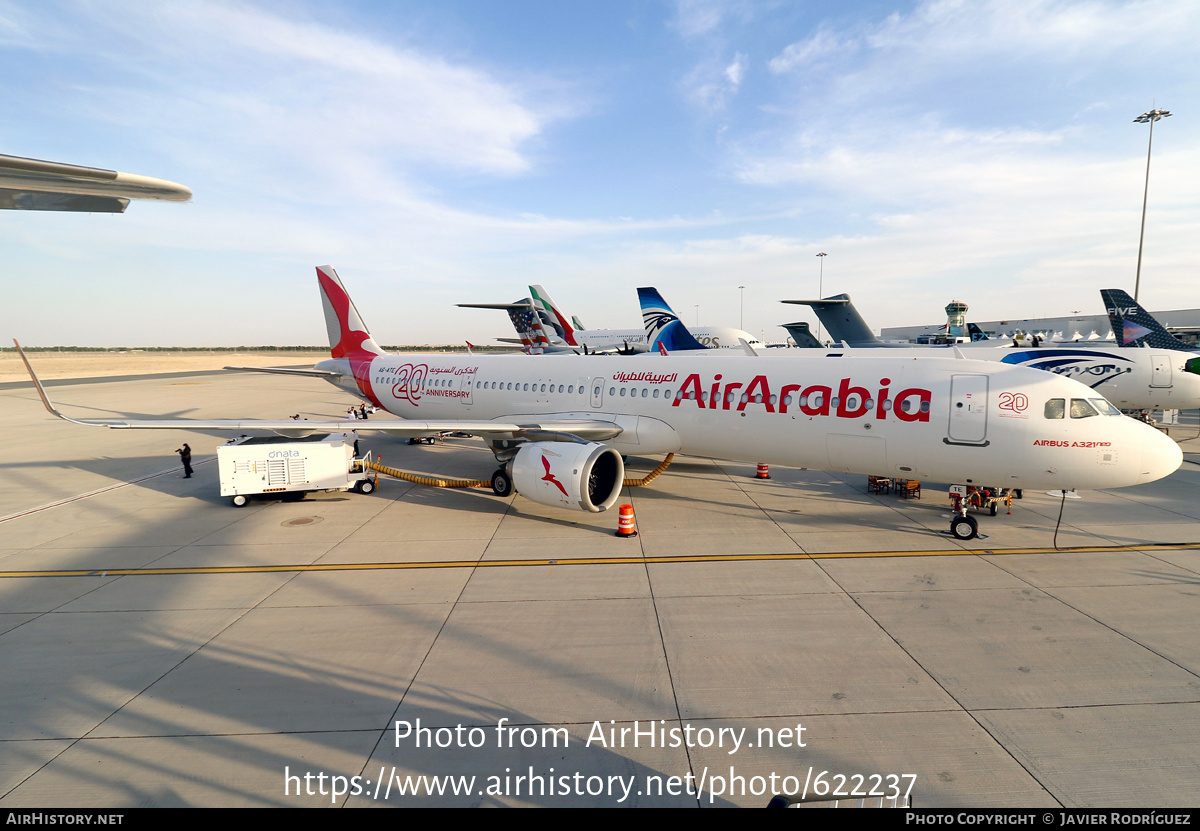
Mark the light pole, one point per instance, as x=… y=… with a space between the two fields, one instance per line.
x=821 y=290
x=1152 y=116
x=697 y=314
x=741 y=306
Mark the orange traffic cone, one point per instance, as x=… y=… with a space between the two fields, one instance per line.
x=625 y=524
x=762 y=473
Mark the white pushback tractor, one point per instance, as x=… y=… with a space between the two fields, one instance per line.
x=290 y=467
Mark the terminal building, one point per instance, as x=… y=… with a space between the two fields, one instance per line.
x=1183 y=323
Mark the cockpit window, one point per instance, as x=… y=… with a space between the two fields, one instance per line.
x=1104 y=407
x=1056 y=407
x=1080 y=408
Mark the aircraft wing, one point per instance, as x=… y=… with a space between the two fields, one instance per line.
x=538 y=430
x=312 y=373
x=36 y=185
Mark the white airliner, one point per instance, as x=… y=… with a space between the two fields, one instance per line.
x=1151 y=378
x=558 y=427
x=36 y=185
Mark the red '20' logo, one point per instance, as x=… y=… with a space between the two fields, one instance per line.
x=408 y=382
x=1018 y=402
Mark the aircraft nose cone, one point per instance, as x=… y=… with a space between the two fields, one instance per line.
x=1161 y=456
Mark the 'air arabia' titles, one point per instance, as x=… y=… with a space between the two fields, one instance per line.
x=647 y=377
x=849 y=401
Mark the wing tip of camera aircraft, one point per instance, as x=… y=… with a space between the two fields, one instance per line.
x=37 y=185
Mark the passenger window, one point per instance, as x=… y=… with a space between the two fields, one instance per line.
x=1056 y=407
x=1081 y=409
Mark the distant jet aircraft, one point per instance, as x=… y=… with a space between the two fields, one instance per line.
x=1132 y=380
x=558 y=427
x=36 y=185
x=845 y=325
x=562 y=331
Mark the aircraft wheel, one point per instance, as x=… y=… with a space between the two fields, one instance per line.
x=992 y=509
x=502 y=483
x=239 y=501
x=365 y=486
x=964 y=527
x=1016 y=493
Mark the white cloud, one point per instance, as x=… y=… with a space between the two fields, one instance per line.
x=1056 y=30
x=736 y=71
x=825 y=43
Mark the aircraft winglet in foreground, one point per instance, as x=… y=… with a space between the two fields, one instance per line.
x=558 y=427
x=36 y=185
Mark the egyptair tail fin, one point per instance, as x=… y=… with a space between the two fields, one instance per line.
x=1134 y=326
x=348 y=335
x=663 y=326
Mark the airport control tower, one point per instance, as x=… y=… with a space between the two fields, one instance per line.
x=956 y=319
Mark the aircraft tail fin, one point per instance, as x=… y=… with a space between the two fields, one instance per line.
x=1134 y=326
x=841 y=319
x=663 y=326
x=802 y=335
x=551 y=314
x=348 y=335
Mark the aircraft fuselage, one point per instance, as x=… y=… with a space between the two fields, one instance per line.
x=940 y=419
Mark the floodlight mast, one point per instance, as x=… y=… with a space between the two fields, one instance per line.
x=1151 y=117
x=821 y=290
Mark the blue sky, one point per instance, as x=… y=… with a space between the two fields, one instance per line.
x=449 y=152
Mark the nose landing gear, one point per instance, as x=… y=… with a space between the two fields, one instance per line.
x=963 y=497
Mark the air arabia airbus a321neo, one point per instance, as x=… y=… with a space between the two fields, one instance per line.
x=558 y=427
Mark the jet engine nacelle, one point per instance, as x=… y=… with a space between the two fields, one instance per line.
x=583 y=476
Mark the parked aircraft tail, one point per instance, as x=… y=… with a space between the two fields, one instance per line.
x=1134 y=326
x=802 y=335
x=552 y=315
x=841 y=320
x=663 y=326
x=348 y=335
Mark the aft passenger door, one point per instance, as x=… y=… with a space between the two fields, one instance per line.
x=1161 y=376
x=466 y=386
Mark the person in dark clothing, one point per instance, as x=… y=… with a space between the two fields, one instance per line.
x=185 y=456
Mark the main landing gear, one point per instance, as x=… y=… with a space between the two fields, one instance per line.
x=502 y=483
